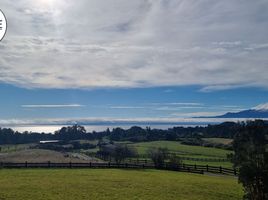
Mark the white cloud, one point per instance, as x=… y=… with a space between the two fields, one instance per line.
x=53 y=106
x=185 y=104
x=198 y=114
x=177 y=104
x=127 y=107
x=168 y=108
x=231 y=106
x=143 y=43
x=168 y=91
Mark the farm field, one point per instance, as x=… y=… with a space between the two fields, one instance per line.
x=41 y=155
x=218 y=140
x=14 y=147
x=216 y=164
x=188 y=151
x=107 y=184
x=23 y=152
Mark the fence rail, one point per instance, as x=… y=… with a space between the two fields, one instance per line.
x=72 y=165
x=201 y=169
x=205 y=159
x=145 y=158
x=213 y=169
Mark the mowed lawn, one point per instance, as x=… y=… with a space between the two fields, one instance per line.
x=108 y=184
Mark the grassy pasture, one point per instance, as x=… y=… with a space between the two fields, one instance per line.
x=188 y=151
x=216 y=164
x=107 y=184
x=41 y=155
x=218 y=140
x=21 y=153
x=15 y=147
x=184 y=150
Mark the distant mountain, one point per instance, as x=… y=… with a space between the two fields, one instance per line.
x=260 y=111
x=252 y=113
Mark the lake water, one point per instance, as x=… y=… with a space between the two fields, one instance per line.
x=101 y=127
x=97 y=128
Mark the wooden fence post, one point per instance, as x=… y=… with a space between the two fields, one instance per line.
x=26 y=164
x=220 y=169
x=48 y=164
x=207 y=168
x=70 y=164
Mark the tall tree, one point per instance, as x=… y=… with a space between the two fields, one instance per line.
x=158 y=156
x=251 y=157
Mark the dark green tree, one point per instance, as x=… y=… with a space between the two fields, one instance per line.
x=158 y=156
x=117 y=152
x=121 y=152
x=251 y=157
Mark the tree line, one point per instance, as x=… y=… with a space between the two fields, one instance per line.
x=134 y=134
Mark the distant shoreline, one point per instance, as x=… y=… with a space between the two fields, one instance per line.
x=89 y=128
x=102 y=126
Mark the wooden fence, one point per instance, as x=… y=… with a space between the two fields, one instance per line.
x=201 y=169
x=146 y=159
x=205 y=168
x=212 y=169
x=193 y=159
x=72 y=165
x=205 y=159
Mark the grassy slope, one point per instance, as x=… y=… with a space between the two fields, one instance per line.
x=218 y=140
x=14 y=147
x=114 y=184
x=216 y=164
x=183 y=150
x=41 y=155
x=188 y=151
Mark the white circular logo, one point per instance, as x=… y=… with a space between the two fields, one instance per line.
x=3 y=25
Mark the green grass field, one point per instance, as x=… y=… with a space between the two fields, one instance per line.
x=216 y=164
x=176 y=147
x=188 y=151
x=218 y=140
x=106 y=184
x=15 y=147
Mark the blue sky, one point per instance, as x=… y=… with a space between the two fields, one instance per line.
x=151 y=103
x=125 y=60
